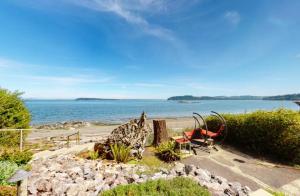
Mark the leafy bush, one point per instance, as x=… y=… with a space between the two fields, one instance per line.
x=275 y=133
x=7 y=169
x=13 y=115
x=16 y=156
x=178 y=186
x=167 y=151
x=93 y=155
x=8 y=190
x=120 y=153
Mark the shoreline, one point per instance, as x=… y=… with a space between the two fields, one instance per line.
x=91 y=131
x=109 y=122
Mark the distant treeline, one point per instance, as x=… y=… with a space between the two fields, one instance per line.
x=243 y=97
x=292 y=97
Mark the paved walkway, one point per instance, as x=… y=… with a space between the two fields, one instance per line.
x=247 y=170
x=63 y=151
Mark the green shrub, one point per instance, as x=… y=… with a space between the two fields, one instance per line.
x=275 y=133
x=16 y=156
x=13 y=115
x=7 y=169
x=167 y=151
x=178 y=186
x=120 y=153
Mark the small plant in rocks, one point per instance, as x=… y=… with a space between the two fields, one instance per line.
x=167 y=151
x=93 y=155
x=120 y=153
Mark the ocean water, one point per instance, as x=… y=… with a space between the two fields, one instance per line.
x=51 y=111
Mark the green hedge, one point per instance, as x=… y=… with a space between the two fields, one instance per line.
x=275 y=133
x=13 y=115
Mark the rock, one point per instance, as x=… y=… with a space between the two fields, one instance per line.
x=229 y=192
x=235 y=186
x=203 y=175
x=75 y=172
x=214 y=186
x=179 y=168
x=43 y=185
x=32 y=190
x=220 y=179
x=71 y=125
x=189 y=169
x=73 y=189
x=164 y=170
x=59 y=188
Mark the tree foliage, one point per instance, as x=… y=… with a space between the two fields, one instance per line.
x=13 y=115
x=13 y=112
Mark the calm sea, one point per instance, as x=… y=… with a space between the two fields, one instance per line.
x=50 y=111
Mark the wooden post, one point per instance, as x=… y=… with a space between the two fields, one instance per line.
x=22 y=188
x=160 y=132
x=78 y=138
x=68 y=141
x=21 y=140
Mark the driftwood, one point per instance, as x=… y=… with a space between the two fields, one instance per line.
x=132 y=134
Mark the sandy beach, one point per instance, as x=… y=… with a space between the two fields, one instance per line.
x=94 y=131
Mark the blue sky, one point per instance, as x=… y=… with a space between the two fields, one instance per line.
x=149 y=48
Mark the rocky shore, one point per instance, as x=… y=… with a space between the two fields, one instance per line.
x=63 y=125
x=70 y=175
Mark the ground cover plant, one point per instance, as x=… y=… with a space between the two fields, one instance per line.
x=178 y=186
x=7 y=169
x=167 y=151
x=272 y=133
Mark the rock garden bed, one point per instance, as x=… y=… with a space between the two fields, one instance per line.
x=71 y=175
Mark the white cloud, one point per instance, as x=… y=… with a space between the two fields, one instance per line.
x=131 y=12
x=233 y=17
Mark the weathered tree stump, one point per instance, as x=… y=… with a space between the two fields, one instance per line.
x=160 y=132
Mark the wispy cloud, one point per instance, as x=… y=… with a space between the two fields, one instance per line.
x=68 y=80
x=233 y=17
x=8 y=63
x=39 y=74
x=298 y=55
x=131 y=12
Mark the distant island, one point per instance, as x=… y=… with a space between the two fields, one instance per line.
x=291 y=97
x=94 y=99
